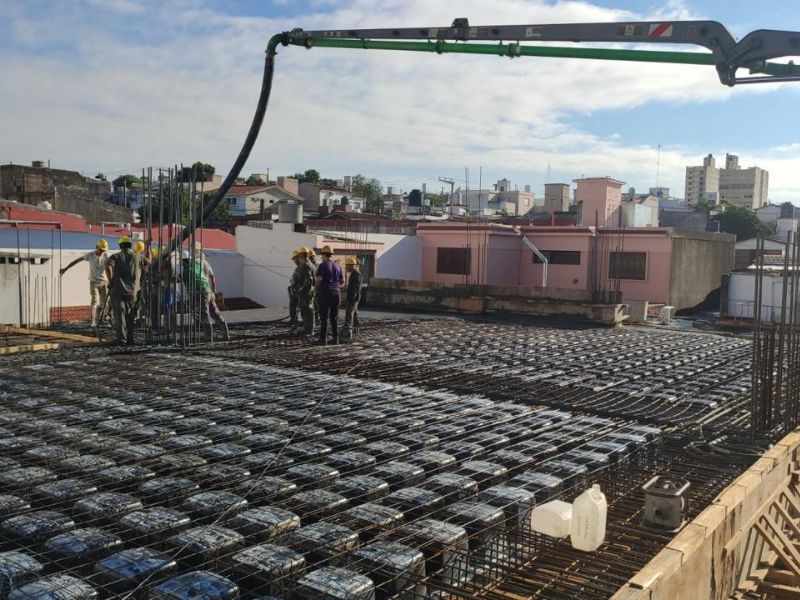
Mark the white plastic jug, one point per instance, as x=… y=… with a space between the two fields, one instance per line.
x=588 y=529
x=552 y=518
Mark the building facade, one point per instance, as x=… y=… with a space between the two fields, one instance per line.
x=245 y=200
x=747 y=188
x=600 y=201
x=702 y=182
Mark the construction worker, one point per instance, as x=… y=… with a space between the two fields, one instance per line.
x=125 y=270
x=329 y=281
x=194 y=279
x=312 y=258
x=352 y=297
x=138 y=247
x=98 y=282
x=294 y=257
x=302 y=283
x=207 y=270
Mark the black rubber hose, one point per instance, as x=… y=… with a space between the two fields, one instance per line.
x=247 y=147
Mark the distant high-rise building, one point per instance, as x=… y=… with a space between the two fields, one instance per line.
x=747 y=188
x=702 y=182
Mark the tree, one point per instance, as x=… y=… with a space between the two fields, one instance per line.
x=371 y=190
x=437 y=199
x=126 y=181
x=255 y=180
x=744 y=223
x=309 y=176
x=203 y=171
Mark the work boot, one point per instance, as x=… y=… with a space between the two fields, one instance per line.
x=226 y=335
x=208 y=333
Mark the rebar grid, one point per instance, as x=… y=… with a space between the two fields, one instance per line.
x=255 y=437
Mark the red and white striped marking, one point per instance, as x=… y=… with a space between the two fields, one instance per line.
x=660 y=30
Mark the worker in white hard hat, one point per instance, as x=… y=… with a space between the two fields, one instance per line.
x=125 y=271
x=352 y=297
x=293 y=322
x=98 y=282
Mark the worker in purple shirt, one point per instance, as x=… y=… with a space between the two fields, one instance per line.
x=329 y=280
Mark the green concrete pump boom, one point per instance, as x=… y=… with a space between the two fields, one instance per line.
x=753 y=52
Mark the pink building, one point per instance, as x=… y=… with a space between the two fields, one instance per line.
x=600 y=200
x=661 y=265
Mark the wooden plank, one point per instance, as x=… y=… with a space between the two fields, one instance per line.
x=782 y=592
x=48 y=333
x=782 y=577
x=28 y=348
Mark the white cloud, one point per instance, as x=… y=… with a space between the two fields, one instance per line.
x=180 y=83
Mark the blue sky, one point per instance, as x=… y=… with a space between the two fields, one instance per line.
x=115 y=85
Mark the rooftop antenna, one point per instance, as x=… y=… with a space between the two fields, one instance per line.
x=548 y=173
x=658 y=165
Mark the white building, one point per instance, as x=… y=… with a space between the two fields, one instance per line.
x=244 y=200
x=702 y=182
x=747 y=188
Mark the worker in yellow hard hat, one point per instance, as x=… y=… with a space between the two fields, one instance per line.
x=351 y=298
x=98 y=282
x=125 y=270
x=312 y=260
x=138 y=247
x=294 y=257
x=329 y=281
x=302 y=286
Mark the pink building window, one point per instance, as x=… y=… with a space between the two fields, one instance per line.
x=627 y=265
x=453 y=261
x=560 y=257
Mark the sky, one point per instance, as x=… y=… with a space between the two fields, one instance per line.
x=113 y=86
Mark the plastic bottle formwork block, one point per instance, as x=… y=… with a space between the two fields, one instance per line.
x=62 y=587
x=267 y=488
x=33 y=527
x=17 y=569
x=307 y=432
x=267 y=568
x=486 y=473
x=419 y=440
x=205 y=544
x=169 y=491
x=189 y=441
x=344 y=440
x=135 y=570
x=265 y=523
x=485 y=529
x=399 y=474
x=194 y=585
x=334 y=583
x=385 y=450
x=444 y=546
x=517 y=504
x=312 y=475
x=351 y=462
x=227 y=433
x=306 y=451
x=375 y=432
x=153 y=525
x=140 y=453
x=432 y=461
x=316 y=504
x=397 y=571
x=51 y=453
x=463 y=450
x=361 y=488
x=572 y=474
x=220 y=475
x=370 y=519
x=452 y=486
x=79 y=546
x=20 y=481
x=206 y=507
x=542 y=485
x=124 y=477
x=414 y=501
x=324 y=541
x=11 y=504
x=274 y=441
x=105 y=507
x=178 y=464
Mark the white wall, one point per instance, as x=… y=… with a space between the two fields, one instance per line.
x=741 y=296
x=266 y=267
x=228 y=269
x=400 y=257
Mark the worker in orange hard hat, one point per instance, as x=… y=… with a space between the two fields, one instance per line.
x=124 y=271
x=138 y=247
x=351 y=298
x=98 y=282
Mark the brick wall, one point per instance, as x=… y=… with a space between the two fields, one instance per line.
x=70 y=313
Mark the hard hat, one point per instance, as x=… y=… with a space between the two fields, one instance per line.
x=326 y=250
x=124 y=239
x=138 y=246
x=311 y=253
x=198 y=246
x=154 y=251
x=101 y=245
x=303 y=250
x=350 y=261
x=185 y=255
x=295 y=254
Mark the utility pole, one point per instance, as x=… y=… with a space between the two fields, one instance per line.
x=452 y=183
